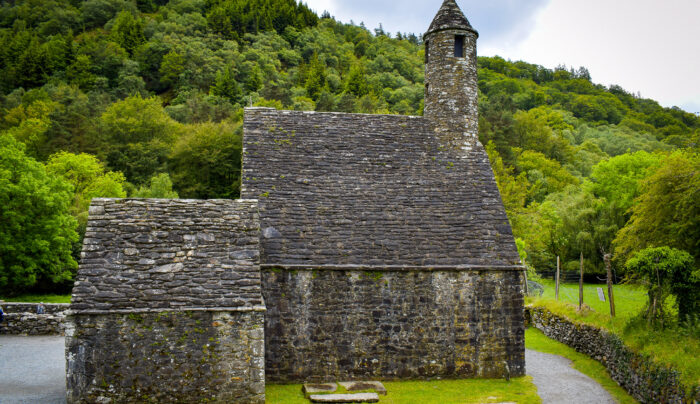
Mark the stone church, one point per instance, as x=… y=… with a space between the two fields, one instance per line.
x=364 y=247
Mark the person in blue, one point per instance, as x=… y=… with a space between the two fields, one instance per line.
x=2 y=316
x=41 y=309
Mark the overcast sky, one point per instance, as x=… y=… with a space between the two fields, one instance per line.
x=646 y=46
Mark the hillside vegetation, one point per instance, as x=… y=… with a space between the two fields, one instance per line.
x=143 y=98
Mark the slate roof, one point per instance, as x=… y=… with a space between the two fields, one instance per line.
x=157 y=254
x=351 y=191
x=450 y=16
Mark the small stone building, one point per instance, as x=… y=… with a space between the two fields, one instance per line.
x=366 y=247
x=167 y=304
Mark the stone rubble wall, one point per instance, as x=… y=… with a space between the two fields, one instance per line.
x=360 y=325
x=21 y=319
x=453 y=109
x=645 y=380
x=183 y=356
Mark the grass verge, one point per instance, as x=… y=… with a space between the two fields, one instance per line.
x=520 y=390
x=38 y=298
x=672 y=346
x=537 y=341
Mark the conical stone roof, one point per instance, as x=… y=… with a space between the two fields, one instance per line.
x=450 y=16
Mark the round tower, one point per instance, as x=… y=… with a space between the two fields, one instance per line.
x=450 y=77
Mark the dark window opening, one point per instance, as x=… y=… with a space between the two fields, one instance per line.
x=459 y=46
x=427 y=51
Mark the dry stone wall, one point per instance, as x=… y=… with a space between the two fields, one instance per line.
x=645 y=380
x=167 y=304
x=333 y=325
x=21 y=319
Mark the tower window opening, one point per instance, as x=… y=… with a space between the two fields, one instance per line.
x=459 y=46
x=427 y=51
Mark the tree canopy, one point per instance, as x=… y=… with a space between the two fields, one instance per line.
x=37 y=230
x=121 y=98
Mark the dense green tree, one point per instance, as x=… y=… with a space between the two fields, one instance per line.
x=127 y=31
x=357 y=81
x=226 y=86
x=88 y=179
x=667 y=211
x=315 y=81
x=206 y=162
x=544 y=175
x=140 y=134
x=617 y=181
x=37 y=231
x=161 y=187
x=80 y=72
x=171 y=67
x=667 y=271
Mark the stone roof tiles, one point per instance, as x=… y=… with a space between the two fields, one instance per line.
x=157 y=254
x=380 y=191
x=450 y=16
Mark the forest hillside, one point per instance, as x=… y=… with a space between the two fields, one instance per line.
x=144 y=98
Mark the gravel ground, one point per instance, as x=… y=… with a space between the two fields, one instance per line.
x=557 y=382
x=32 y=370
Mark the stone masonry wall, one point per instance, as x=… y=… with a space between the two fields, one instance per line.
x=452 y=108
x=186 y=356
x=21 y=319
x=332 y=325
x=645 y=380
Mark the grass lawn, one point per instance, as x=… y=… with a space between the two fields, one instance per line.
x=670 y=346
x=537 y=341
x=38 y=298
x=629 y=299
x=520 y=390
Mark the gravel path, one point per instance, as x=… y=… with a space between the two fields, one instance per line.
x=32 y=370
x=557 y=382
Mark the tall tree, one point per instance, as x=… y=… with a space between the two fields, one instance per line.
x=667 y=211
x=37 y=231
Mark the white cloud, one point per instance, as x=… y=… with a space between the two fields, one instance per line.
x=646 y=46
x=494 y=19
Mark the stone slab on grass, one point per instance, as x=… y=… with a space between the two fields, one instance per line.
x=317 y=388
x=345 y=398
x=359 y=386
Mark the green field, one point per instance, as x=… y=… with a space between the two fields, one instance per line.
x=520 y=390
x=38 y=298
x=671 y=346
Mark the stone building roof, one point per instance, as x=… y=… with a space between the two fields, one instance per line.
x=155 y=254
x=351 y=191
x=450 y=16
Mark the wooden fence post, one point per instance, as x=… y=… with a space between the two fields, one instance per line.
x=606 y=257
x=580 y=286
x=556 y=290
